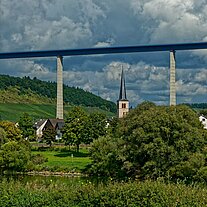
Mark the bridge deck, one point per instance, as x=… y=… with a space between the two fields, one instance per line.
x=104 y=50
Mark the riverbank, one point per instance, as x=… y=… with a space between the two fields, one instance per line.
x=49 y=173
x=45 y=173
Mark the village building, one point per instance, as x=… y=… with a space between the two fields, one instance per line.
x=42 y=125
x=122 y=103
x=203 y=120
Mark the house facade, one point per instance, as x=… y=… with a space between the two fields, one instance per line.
x=42 y=125
x=203 y=120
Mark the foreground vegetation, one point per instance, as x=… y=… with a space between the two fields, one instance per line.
x=151 y=142
x=53 y=193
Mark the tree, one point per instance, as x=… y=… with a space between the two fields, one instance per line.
x=106 y=161
x=13 y=133
x=74 y=130
x=158 y=141
x=26 y=125
x=95 y=127
x=203 y=112
x=14 y=156
x=3 y=138
x=14 y=150
x=49 y=136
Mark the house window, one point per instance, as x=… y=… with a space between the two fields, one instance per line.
x=123 y=105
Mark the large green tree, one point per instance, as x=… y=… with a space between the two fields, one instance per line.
x=13 y=133
x=95 y=127
x=83 y=128
x=158 y=141
x=14 y=150
x=26 y=125
x=14 y=156
x=74 y=130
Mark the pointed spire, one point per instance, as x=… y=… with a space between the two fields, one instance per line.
x=122 y=95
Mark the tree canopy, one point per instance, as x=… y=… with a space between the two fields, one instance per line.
x=26 y=125
x=155 y=141
x=49 y=136
x=83 y=128
x=14 y=156
x=13 y=133
x=14 y=149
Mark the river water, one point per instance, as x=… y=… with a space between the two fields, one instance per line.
x=49 y=179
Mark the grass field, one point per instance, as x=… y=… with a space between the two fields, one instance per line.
x=64 y=160
x=12 y=111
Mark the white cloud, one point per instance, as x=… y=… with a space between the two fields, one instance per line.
x=201 y=76
x=46 y=24
x=49 y=24
x=172 y=20
x=190 y=89
x=106 y=43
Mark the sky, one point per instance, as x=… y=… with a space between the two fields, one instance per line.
x=29 y=25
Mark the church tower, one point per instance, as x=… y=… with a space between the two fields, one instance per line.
x=122 y=103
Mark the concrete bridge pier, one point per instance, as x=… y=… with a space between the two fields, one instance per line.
x=59 y=109
x=172 y=79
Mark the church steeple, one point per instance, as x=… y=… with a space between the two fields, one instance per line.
x=122 y=103
x=122 y=94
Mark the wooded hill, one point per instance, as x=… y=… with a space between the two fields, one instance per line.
x=27 y=90
x=197 y=105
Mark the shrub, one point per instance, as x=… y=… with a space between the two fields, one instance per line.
x=14 y=156
x=148 y=193
x=38 y=159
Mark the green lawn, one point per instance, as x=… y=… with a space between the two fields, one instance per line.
x=65 y=161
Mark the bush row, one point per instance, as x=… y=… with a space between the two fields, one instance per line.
x=147 y=193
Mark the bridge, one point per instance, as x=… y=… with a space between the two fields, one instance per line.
x=172 y=48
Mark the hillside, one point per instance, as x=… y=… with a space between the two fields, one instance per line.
x=12 y=111
x=35 y=91
x=197 y=105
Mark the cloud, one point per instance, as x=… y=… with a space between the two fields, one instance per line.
x=201 y=76
x=107 y=43
x=172 y=20
x=49 y=24
x=30 y=68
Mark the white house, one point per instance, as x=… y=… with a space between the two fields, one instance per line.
x=203 y=120
x=39 y=127
x=56 y=124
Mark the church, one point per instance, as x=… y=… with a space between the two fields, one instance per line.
x=122 y=103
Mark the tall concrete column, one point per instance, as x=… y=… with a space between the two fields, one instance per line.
x=172 y=79
x=59 y=109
